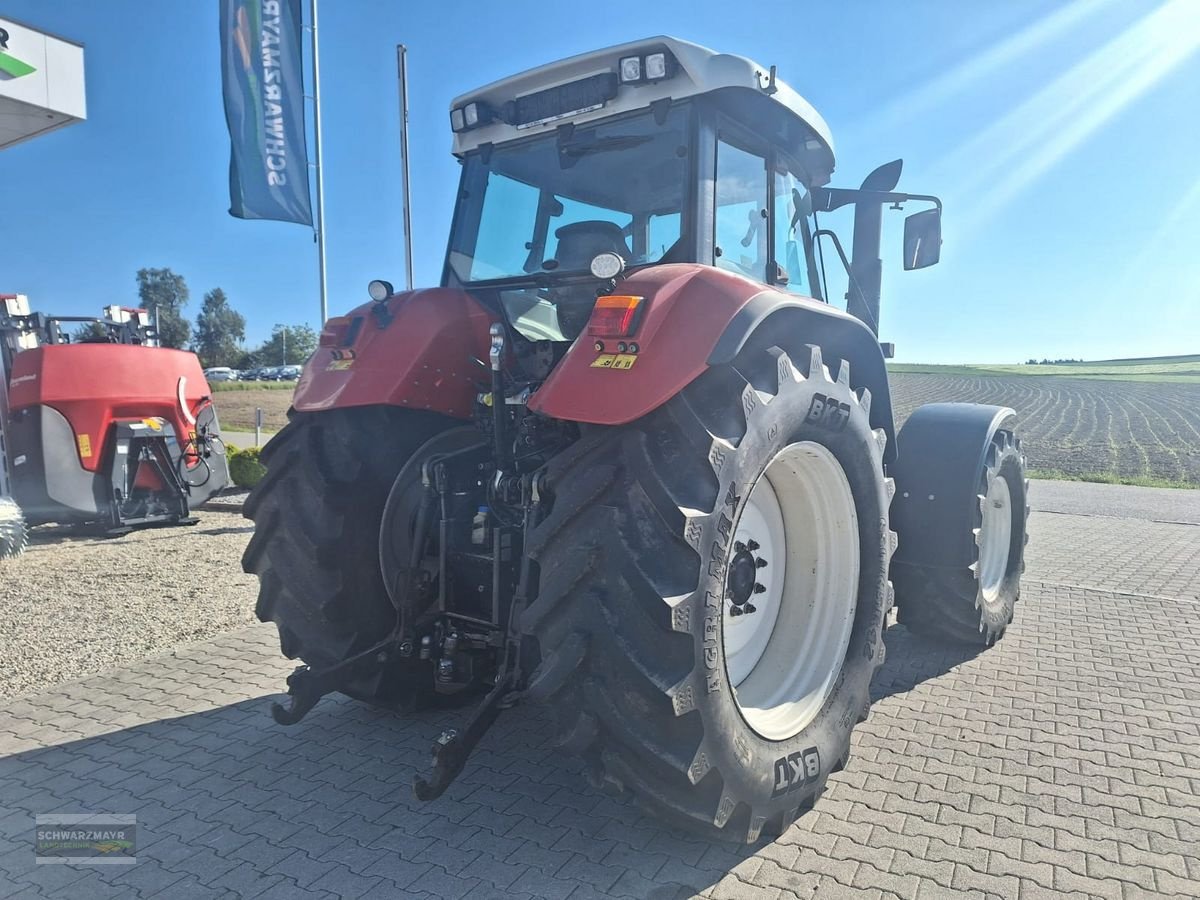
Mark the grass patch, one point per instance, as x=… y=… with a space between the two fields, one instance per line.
x=1112 y=478
x=223 y=386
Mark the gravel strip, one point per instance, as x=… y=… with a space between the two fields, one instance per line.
x=76 y=605
x=228 y=500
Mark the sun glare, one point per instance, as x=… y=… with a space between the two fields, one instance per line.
x=970 y=72
x=1005 y=158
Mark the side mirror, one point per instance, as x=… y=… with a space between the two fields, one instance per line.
x=922 y=239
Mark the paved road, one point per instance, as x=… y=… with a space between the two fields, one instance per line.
x=1063 y=762
x=1080 y=498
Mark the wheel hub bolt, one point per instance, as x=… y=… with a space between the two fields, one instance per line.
x=741 y=583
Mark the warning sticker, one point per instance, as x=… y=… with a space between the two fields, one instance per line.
x=339 y=365
x=614 y=361
x=85 y=446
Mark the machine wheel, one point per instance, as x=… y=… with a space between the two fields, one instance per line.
x=712 y=592
x=14 y=535
x=975 y=605
x=315 y=548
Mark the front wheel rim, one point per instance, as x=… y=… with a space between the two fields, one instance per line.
x=797 y=536
x=995 y=538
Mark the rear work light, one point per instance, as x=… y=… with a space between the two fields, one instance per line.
x=649 y=68
x=615 y=315
x=474 y=114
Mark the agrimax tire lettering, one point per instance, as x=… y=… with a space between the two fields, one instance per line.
x=718 y=552
x=712 y=635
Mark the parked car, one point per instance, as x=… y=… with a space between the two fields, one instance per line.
x=289 y=373
x=220 y=373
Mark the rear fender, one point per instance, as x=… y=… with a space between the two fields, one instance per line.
x=421 y=358
x=697 y=317
x=687 y=308
x=788 y=321
x=942 y=451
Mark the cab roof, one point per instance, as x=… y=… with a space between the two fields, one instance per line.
x=699 y=70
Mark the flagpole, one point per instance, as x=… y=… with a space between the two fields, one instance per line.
x=402 y=73
x=316 y=97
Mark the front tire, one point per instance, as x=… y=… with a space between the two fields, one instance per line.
x=14 y=533
x=975 y=604
x=647 y=551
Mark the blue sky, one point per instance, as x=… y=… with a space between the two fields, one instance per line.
x=1061 y=136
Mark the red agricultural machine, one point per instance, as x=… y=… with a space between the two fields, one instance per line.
x=113 y=432
x=629 y=460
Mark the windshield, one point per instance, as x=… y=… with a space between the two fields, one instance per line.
x=550 y=205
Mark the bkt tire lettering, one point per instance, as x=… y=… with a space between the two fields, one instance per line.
x=795 y=770
x=829 y=414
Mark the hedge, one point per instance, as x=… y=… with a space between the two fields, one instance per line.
x=244 y=467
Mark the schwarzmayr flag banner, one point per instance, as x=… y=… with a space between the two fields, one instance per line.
x=263 y=75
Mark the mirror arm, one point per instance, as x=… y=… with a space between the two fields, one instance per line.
x=830 y=199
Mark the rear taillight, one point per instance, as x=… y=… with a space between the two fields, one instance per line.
x=334 y=330
x=341 y=331
x=615 y=315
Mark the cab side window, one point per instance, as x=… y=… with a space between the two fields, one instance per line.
x=791 y=261
x=740 y=227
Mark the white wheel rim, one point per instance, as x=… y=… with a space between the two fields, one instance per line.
x=784 y=658
x=995 y=537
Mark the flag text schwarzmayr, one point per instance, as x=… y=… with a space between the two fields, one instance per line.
x=275 y=145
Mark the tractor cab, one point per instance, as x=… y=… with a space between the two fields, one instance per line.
x=651 y=153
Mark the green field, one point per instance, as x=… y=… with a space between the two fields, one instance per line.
x=223 y=386
x=1163 y=369
x=1130 y=421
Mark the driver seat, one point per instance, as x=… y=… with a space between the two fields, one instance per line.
x=581 y=242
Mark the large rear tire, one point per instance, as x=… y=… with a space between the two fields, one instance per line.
x=975 y=604
x=315 y=547
x=759 y=489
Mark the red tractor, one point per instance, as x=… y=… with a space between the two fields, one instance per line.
x=629 y=460
x=112 y=432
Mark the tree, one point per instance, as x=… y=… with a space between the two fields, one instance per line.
x=90 y=333
x=219 y=330
x=164 y=294
x=288 y=345
x=248 y=359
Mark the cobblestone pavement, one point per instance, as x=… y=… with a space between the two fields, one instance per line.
x=1063 y=762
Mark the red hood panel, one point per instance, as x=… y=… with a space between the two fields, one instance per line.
x=422 y=359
